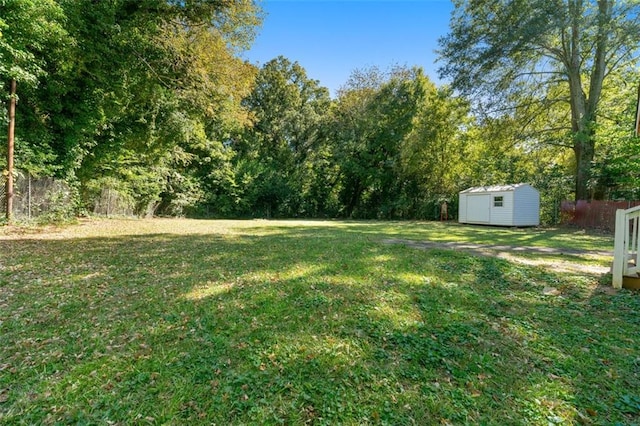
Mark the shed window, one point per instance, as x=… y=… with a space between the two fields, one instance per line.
x=498 y=201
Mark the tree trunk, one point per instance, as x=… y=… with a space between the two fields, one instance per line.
x=637 y=128
x=10 y=145
x=584 y=149
x=584 y=108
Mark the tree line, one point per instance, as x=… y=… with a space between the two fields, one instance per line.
x=153 y=100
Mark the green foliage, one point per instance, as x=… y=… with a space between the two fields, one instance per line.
x=617 y=169
x=373 y=116
x=147 y=107
x=29 y=31
x=108 y=196
x=617 y=163
x=118 y=88
x=282 y=157
x=181 y=194
x=541 y=56
x=61 y=207
x=554 y=182
x=400 y=145
x=32 y=37
x=434 y=152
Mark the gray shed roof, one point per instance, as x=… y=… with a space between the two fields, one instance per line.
x=494 y=188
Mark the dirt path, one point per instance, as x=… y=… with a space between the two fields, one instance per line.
x=512 y=253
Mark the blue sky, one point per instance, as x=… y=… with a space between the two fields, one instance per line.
x=331 y=38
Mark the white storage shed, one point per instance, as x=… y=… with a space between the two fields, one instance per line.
x=505 y=205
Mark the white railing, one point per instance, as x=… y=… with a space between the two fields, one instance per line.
x=625 y=249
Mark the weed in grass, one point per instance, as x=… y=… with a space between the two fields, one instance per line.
x=258 y=322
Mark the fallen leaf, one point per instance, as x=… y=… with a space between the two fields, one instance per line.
x=551 y=291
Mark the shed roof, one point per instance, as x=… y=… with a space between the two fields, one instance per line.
x=493 y=188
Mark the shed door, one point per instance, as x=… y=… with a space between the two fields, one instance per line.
x=479 y=208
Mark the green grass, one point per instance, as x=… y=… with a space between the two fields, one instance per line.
x=258 y=322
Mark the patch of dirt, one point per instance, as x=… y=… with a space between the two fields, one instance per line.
x=511 y=253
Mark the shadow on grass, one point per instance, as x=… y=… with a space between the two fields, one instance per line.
x=304 y=325
x=555 y=238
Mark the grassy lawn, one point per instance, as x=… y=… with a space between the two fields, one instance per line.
x=289 y=322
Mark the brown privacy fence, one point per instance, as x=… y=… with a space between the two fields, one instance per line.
x=593 y=214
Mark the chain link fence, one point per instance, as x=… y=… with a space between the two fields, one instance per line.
x=34 y=197
x=111 y=202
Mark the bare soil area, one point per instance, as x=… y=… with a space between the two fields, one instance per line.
x=549 y=257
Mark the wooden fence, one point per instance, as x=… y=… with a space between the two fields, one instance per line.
x=599 y=215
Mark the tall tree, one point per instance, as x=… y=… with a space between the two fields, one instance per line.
x=434 y=151
x=29 y=31
x=135 y=91
x=138 y=62
x=374 y=114
x=280 y=155
x=616 y=164
x=504 y=51
x=28 y=28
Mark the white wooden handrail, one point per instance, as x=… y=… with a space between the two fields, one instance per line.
x=632 y=209
x=626 y=244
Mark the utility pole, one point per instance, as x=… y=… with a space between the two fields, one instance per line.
x=11 y=143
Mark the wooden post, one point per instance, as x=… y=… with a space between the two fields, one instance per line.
x=11 y=143
x=619 y=249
